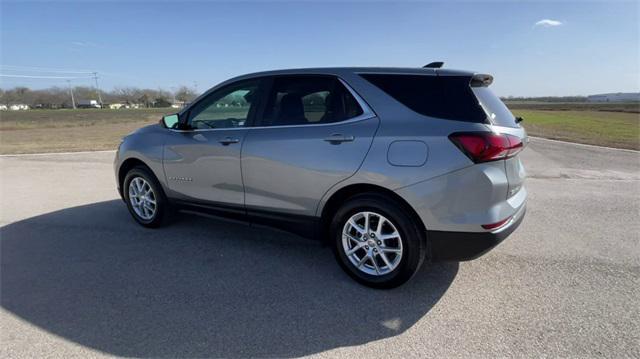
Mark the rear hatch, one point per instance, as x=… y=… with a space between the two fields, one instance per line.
x=502 y=121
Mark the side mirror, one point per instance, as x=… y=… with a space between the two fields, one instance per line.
x=171 y=121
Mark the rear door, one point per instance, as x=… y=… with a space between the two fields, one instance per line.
x=312 y=133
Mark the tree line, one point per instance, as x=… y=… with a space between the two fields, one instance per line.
x=546 y=99
x=60 y=97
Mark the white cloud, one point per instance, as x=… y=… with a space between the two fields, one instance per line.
x=84 y=44
x=548 y=23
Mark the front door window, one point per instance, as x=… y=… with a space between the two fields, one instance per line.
x=225 y=108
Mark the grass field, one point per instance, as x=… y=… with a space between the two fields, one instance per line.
x=33 y=131
x=612 y=129
x=631 y=107
x=70 y=130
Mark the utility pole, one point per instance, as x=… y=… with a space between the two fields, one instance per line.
x=73 y=100
x=95 y=77
x=173 y=91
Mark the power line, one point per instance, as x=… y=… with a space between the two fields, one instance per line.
x=46 y=77
x=43 y=69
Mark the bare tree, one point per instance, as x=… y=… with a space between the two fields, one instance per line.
x=185 y=94
x=56 y=97
x=126 y=94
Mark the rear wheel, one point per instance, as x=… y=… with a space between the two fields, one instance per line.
x=376 y=241
x=144 y=197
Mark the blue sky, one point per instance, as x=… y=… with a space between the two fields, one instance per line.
x=576 y=49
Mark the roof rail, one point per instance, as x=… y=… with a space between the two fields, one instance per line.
x=433 y=65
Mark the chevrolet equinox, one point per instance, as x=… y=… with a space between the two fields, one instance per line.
x=389 y=166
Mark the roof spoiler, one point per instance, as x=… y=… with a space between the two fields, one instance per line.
x=433 y=65
x=481 y=80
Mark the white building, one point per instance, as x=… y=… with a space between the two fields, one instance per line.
x=88 y=104
x=18 y=107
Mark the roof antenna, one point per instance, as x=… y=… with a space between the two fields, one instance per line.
x=433 y=65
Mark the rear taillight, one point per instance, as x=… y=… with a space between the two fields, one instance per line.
x=487 y=146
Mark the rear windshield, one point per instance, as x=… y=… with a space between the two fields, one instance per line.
x=447 y=97
x=496 y=110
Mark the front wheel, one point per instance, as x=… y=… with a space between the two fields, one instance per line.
x=144 y=197
x=377 y=242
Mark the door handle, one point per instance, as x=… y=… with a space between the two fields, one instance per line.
x=228 y=140
x=337 y=138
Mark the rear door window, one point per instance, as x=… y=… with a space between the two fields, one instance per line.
x=446 y=97
x=308 y=99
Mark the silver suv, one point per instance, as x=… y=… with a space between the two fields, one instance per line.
x=389 y=166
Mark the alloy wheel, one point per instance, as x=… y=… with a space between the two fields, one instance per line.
x=372 y=243
x=142 y=198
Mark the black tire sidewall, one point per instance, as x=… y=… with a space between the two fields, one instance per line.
x=161 y=201
x=413 y=241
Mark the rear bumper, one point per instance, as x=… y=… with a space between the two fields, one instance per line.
x=464 y=246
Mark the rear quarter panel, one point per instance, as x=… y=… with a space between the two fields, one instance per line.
x=441 y=156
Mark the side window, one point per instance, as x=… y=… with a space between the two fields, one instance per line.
x=226 y=108
x=310 y=99
x=447 y=97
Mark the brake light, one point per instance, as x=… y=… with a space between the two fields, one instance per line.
x=487 y=146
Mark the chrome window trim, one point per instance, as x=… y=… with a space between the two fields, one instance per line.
x=362 y=117
x=358 y=118
x=209 y=129
x=367 y=113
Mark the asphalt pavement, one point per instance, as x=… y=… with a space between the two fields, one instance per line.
x=79 y=278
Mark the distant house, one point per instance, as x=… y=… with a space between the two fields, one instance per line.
x=615 y=97
x=177 y=104
x=18 y=107
x=122 y=105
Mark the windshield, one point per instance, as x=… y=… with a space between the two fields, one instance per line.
x=496 y=110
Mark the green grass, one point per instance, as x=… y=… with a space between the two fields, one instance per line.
x=613 y=129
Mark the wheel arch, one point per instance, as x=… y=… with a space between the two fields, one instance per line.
x=126 y=166
x=341 y=195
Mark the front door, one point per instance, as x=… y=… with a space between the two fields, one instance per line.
x=202 y=162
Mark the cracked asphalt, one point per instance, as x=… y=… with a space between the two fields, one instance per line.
x=79 y=279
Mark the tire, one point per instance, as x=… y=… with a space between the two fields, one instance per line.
x=142 y=175
x=404 y=253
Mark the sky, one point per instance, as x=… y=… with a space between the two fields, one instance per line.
x=531 y=48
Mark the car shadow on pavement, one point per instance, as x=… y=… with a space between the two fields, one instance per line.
x=198 y=288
